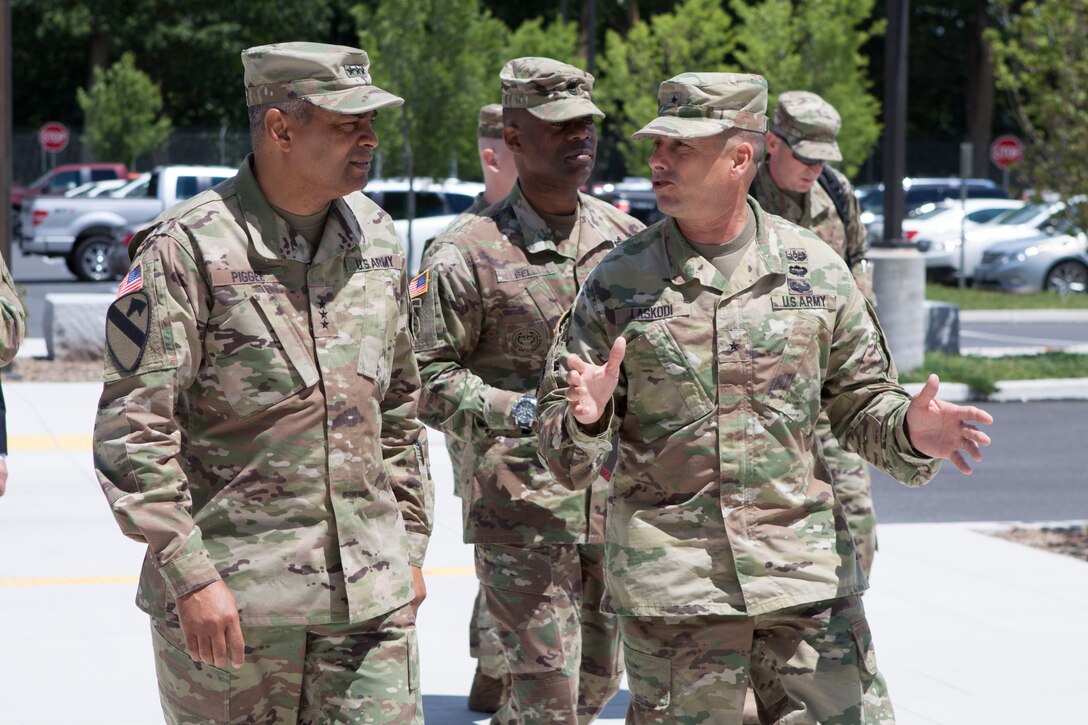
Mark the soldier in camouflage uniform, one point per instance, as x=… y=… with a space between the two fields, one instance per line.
x=716 y=337
x=802 y=138
x=483 y=312
x=491 y=681
x=258 y=429
x=11 y=337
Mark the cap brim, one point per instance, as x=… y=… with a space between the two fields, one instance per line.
x=676 y=127
x=355 y=100
x=817 y=150
x=565 y=109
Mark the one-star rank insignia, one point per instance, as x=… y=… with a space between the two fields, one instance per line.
x=128 y=321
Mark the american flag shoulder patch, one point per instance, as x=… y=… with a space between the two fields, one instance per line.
x=133 y=281
x=419 y=284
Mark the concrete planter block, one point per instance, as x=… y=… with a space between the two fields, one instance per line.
x=75 y=326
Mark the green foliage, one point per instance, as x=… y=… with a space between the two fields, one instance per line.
x=123 y=113
x=534 y=38
x=980 y=299
x=1041 y=59
x=441 y=56
x=982 y=374
x=697 y=36
x=816 y=45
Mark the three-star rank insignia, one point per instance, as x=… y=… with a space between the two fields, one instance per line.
x=128 y=322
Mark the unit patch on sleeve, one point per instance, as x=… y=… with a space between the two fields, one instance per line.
x=128 y=323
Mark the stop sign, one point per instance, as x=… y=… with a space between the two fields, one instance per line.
x=1006 y=151
x=53 y=136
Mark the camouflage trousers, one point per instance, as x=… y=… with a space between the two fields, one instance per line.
x=367 y=672
x=810 y=664
x=561 y=650
x=854 y=488
x=483 y=640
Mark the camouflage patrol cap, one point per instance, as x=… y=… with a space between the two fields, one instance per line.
x=809 y=124
x=550 y=90
x=333 y=77
x=694 y=105
x=490 y=124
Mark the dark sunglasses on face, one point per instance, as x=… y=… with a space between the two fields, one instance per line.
x=800 y=159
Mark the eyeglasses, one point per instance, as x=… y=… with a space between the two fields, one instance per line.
x=800 y=159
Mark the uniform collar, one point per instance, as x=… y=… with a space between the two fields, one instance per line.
x=763 y=257
x=536 y=235
x=271 y=238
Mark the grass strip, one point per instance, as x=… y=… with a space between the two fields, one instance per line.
x=977 y=299
x=982 y=374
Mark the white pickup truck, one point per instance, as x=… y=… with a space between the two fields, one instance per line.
x=82 y=230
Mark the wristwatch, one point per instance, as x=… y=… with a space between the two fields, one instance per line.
x=525 y=413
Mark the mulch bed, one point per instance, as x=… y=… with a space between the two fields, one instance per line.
x=43 y=370
x=1068 y=540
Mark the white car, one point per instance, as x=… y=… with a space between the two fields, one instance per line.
x=942 y=251
x=944 y=217
x=438 y=202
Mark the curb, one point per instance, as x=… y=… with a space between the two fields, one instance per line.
x=1023 y=316
x=1011 y=391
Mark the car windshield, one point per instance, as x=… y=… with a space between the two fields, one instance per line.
x=1023 y=215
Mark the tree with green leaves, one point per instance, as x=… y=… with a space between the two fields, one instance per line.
x=1041 y=60
x=442 y=58
x=816 y=45
x=537 y=38
x=123 y=112
x=696 y=35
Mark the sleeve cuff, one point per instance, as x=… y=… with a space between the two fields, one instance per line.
x=417 y=548
x=915 y=467
x=595 y=444
x=187 y=573
x=498 y=410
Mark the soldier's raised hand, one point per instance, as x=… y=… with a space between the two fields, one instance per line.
x=591 y=386
x=945 y=430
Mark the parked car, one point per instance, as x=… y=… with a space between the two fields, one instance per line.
x=916 y=192
x=95 y=188
x=944 y=217
x=1057 y=262
x=67 y=176
x=438 y=202
x=943 y=255
x=634 y=195
x=81 y=230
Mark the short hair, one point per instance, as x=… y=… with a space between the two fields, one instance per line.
x=299 y=109
x=756 y=140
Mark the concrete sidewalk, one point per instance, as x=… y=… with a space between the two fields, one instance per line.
x=969 y=629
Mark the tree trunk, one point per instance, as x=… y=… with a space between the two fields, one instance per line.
x=99 y=54
x=979 y=95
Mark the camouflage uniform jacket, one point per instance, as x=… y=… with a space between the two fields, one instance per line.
x=495 y=289
x=267 y=433
x=14 y=316
x=715 y=504
x=818 y=214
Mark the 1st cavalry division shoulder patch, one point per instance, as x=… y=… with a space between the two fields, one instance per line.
x=128 y=322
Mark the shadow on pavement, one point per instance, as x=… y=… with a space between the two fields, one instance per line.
x=451 y=710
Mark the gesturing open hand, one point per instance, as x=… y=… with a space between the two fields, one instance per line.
x=944 y=430
x=591 y=386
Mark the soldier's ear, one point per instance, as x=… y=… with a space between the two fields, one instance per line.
x=772 y=142
x=277 y=127
x=512 y=136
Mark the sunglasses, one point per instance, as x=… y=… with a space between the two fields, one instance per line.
x=801 y=159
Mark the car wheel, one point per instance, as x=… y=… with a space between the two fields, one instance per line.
x=90 y=260
x=1067 y=276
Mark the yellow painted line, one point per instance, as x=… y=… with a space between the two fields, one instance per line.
x=49 y=443
x=67 y=581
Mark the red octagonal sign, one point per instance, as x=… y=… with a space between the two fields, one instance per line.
x=1006 y=151
x=53 y=136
